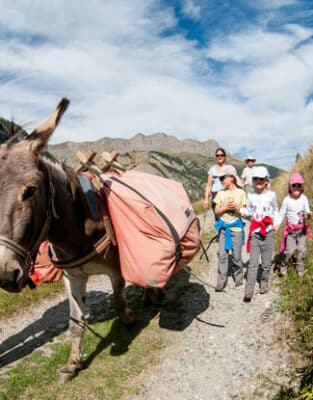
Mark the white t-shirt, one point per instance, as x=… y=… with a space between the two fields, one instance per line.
x=294 y=209
x=216 y=182
x=260 y=205
x=247 y=174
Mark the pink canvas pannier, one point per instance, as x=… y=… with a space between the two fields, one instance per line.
x=156 y=228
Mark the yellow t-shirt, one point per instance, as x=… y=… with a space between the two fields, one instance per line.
x=223 y=197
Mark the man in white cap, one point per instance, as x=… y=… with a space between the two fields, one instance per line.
x=246 y=176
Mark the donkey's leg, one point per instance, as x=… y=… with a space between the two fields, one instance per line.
x=76 y=291
x=120 y=300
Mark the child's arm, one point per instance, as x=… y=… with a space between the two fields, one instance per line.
x=246 y=210
x=242 y=202
x=208 y=190
x=220 y=208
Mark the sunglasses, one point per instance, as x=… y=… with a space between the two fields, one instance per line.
x=297 y=185
x=223 y=177
x=259 y=179
x=219 y=155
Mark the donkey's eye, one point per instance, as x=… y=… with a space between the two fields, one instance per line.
x=28 y=193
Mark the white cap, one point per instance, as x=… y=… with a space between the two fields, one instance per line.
x=250 y=157
x=229 y=170
x=260 y=172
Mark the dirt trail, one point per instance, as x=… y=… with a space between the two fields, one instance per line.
x=229 y=351
x=220 y=347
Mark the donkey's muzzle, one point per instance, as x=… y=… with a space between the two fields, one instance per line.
x=13 y=271
x=12 y=279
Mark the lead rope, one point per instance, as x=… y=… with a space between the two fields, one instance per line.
x=188 y=270
x=84 y=324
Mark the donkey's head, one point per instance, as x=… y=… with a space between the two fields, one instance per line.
x=23 y=202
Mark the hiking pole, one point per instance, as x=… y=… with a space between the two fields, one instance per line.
x=204 y=221
x=204 y=252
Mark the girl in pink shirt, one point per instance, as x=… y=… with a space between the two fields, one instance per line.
x=296 y=209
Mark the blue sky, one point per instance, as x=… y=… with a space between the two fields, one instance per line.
x=239 y=72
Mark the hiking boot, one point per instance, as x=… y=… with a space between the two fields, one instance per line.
x=248 y=296
x=263 y=287
x=283 y=271
x=300 y=274
x=238 y=281
x=220 y=287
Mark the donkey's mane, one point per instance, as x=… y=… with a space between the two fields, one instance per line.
x=54 y=168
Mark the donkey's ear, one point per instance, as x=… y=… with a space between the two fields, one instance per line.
x=40 y=135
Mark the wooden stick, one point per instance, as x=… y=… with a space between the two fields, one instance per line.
x=110 y=162
x=84 y=158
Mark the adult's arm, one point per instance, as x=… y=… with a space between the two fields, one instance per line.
x=208 y=191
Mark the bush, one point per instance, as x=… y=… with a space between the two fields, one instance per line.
x=296 y=293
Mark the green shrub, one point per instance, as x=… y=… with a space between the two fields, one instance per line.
x=296 y=293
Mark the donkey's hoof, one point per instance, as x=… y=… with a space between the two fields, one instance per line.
x=67 y=373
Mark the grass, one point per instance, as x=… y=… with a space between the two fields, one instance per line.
x=297 y=294
x=297 y=300
x=114 y=355
x=198 y=207
x=13 y=302
x=112 y=358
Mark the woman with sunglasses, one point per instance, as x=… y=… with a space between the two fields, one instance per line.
x=262 y=210
x=214 y=184
x=296 y=209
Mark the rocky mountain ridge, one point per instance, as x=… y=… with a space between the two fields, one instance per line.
x=156 y=142
x=185 y=160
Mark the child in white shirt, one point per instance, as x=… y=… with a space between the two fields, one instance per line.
x=296 y=209
x=262 y=209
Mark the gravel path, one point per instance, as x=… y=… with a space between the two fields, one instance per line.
x=220 y=347
x=230 y=351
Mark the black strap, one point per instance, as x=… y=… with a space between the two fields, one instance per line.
x=90 y=196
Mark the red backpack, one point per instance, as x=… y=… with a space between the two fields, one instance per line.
x=155 y=225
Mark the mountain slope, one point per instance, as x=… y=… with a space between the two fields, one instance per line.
x=184 y=160
x=189 y=168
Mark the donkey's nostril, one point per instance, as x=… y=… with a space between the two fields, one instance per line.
x=17 y=274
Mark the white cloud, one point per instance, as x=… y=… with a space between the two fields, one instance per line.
x=276 y=81
x=191 y=10
x=124 y=76
x=257 y=46
x=271 y=4
x=70 y=21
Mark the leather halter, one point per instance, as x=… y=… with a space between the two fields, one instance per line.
x=24 y=254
